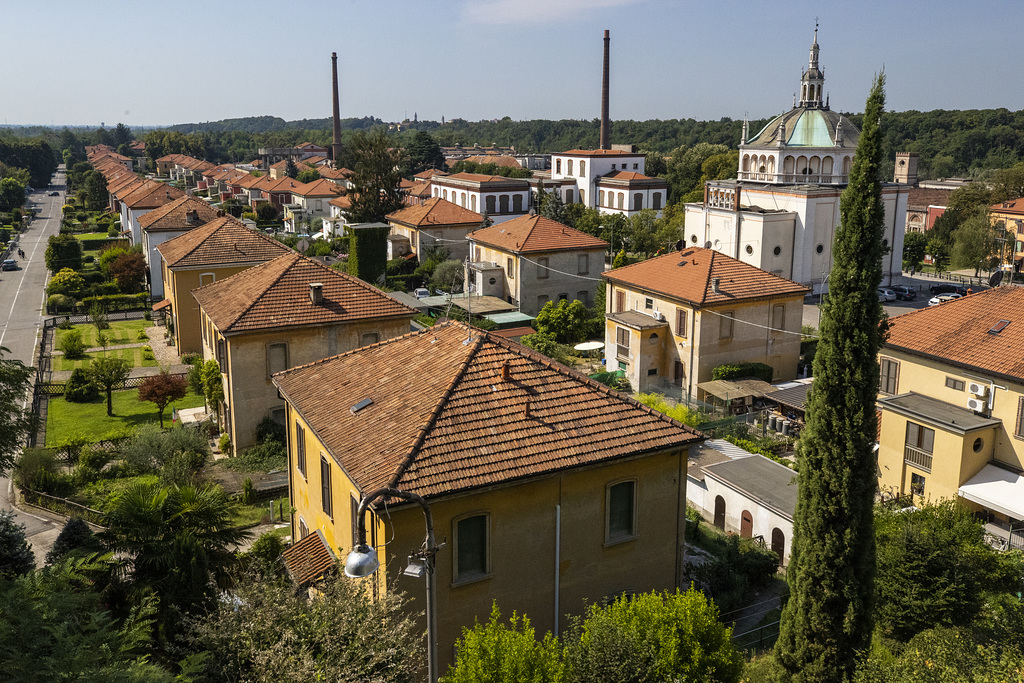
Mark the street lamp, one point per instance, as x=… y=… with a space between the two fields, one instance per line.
x=362 y=562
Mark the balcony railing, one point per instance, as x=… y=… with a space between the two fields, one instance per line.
x=918 y=458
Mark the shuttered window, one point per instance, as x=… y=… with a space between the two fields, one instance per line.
x=890 y=374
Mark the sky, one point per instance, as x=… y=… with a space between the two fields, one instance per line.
x=148 y=63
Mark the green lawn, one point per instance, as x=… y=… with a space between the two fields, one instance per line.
x=92 y=241
x=64 y=419
x=133 y=356
x=248 y=515
x=119 y=332
x=101 y=493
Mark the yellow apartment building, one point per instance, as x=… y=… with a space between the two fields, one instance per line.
x=199 y=257
x=548 y=489
x=952 y=405
x=286 y=312
x=671 y=320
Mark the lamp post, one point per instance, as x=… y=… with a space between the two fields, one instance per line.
x=362 y=562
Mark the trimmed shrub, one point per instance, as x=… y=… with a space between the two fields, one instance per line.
x=270 y=430
x=739 y=370
x=147 y=353
x=80 y=387
x=72 y=344
x=76 y=537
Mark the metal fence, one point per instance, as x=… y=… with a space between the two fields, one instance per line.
x=62 y=506
x=58 y=388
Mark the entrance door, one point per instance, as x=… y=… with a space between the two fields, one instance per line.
x=677 y=374
x=746 y=525
x=720 y=512
x=778 y=543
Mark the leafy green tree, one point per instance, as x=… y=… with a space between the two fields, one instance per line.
x=642 y=234
x=16 y=557
x=448 y=277
x=174 y=542
x=654 y=165
x=95 y=190
x=15 y=420
x=271 y=633
x=107 y=372
x=129 y=270
x=66 y=282
x=827 y=622
x=376 y=175
x=290 y=169
x=619 y=260
x=79 y=388
x=71 y=344
x=685 y=168
x=915 y=246
x=308 y=175
x=943 y=655
x=422 y=153
x=266 y=212
x=213 y=383
x=496 y=652
x=547 y=345
x=938 y=249
x=56 y=629
x=12 y=194
x=63 y=251
x=652 y=637
x=551 y=205
x=163 y=389
x=975 y=242
x=76 y=537
x=934 y=569
x=568 y=322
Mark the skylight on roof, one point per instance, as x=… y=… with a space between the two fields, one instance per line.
x=998 y=327
x=359 y=406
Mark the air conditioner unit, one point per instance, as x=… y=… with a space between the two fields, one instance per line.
x=658 y=315
x=976 y=404
x=978 y=389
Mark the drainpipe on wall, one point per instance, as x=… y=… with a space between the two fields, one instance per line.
x=739 y=218
x=693 y=342
x=558 y=560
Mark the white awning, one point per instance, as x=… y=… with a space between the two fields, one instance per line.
x=996 y=489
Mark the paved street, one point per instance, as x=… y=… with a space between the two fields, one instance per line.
x=21 y=312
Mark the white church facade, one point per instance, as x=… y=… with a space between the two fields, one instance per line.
x=782 y=211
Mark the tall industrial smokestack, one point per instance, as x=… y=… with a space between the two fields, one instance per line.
x=336 y=144
x=605 y=123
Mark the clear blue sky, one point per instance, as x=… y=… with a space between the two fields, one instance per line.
x=149 y=63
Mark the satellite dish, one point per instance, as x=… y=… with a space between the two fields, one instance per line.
x=707 y=245
x=996 y=278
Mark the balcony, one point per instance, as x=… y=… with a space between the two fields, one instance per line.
x=917 y=457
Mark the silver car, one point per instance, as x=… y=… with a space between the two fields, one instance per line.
x=886 y=294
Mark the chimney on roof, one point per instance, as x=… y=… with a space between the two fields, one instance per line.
x=605 y=123
x=336 y=142
x=316 y=293
x=220 y=213
x=192 y=217
x=506 y=371
x=714 y=285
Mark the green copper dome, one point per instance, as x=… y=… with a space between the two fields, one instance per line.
x=807 y=127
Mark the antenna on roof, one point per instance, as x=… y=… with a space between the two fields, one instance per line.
x=469 y=302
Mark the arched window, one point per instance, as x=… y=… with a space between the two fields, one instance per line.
x=490 y=203
x=788 y=164
x=779 y=543
x=503 y=204
x=746 y=162
x=600 y=198
x=826 y=166
x=846 y=165
x=568 y=167
x=583 y=196
x=801 y=166
x=815 y=165
x=583 y=169
x=568 y=196
x=638 y=201
x=622 y=200
x=517 y=203
x=446 y=194
x=472 y=202
x=462 y=200
x=719 y=508
x=558 y=166
x=656 y=201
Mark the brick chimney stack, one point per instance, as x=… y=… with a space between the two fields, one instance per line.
x=336 y=143
x=605 y=122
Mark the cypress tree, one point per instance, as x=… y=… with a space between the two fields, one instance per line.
x=826 y=625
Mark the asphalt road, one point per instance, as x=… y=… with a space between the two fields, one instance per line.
x=22 y=301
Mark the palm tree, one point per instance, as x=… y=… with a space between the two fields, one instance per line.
x=175 y=542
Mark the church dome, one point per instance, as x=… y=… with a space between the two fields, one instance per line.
x=807 y=127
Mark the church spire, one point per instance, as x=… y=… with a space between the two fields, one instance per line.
x=812 y=82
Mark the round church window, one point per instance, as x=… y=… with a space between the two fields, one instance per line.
x=777 y=250
x=693 y=238
x=978 y=444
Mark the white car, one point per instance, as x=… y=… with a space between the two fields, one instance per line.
x=886 y=294
x=942 y=298
x=421 y=293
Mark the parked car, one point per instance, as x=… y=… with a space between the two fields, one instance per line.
x=886 y=294
x=55 y=194
x=9 y=264
x=942 y=298
x=421 y=293
x=904 y=293
x=948 y=288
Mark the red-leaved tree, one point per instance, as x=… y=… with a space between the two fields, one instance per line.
x=162 y=389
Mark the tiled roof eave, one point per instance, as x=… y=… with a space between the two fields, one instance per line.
x=235 y=328
x=708 y=304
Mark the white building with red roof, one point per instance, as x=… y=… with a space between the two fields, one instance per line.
x=610 y=180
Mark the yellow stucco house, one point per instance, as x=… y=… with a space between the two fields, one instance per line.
x=671 y=320
x=1011 y=214
x=203 y=255
x=549 y=489
x=952 y=405
x=434 y=223
x=532 y=260
x=286 y=312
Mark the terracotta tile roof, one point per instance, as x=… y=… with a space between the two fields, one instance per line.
x=420 y=190
x=958 y=332
x=443 y=420
x=319 y=188
x=224 y=241
x=687 y=275
x=282 y=165
x=150 y=195
x=342 y=202
x=430 y=173
x=405 y=184
x=1011 y=206
x=928 y=196
x=598 y=153
x=174 y=216
x=309 y=559
x=627 y=175
x=316 y=160
x=334 y=173
x=535 y=234
x=275 y=294
x=496 y=159
x=121 y=185
x=435 y=211
x=482 y=178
